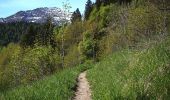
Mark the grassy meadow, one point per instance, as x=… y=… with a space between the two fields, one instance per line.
x=59 y=86
x=133 y=74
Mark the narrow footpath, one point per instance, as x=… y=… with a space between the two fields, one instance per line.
x=83 y=89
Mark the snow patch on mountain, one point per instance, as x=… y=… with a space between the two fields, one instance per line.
x=39 y=15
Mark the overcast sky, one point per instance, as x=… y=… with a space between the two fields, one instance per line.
x=9 y=7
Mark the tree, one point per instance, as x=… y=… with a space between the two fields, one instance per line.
x=98 y=3
x=48 y=27
x=88 y=46
x=107 y=2
x=28 y=39
x=104 y=3
x=46 y=36
x=124 y=1
x=66 y=8
x=14 y=31
x=88 y=9
x=76 y=16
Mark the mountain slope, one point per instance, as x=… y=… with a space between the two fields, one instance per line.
x=55 y=87
x=39 y=15
x=133 y=74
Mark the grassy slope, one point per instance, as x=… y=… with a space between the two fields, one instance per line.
x=56 y=87
x=133 y=74
x=127 y=74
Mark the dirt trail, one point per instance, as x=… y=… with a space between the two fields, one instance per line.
x=83 y=90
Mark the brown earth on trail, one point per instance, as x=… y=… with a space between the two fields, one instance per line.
x=83 y=89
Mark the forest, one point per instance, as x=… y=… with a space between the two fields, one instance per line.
x=124 y=45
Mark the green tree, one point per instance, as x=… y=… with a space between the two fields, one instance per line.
x=28 y=39
x=66 y=8
x=107 y=2
x=98 y=3
x=88 y=47
x=46 y=36
x=76 y=16
x=88 y=9
x=124 y=1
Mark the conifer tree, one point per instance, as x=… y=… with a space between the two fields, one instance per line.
x=76 y=16
x=105 y=2
x=88 y=9
x=46 y=36
x=98 y=3
x=28 y=39
x=48 y=31
x=124 y=1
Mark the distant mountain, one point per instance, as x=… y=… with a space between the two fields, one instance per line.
x=38 y=15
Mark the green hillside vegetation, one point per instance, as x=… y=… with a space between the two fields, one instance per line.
x=133 y=74
x=59 y=86
x=12 y=32
x=123 y=45
x=139 y=66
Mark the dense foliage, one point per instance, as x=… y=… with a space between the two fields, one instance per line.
x=133 y=74
x=127 y=29
x=76 y=16
x=12 y=32
x=59 y=86
x=88 y=9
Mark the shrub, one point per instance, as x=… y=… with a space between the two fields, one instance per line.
x=101 y=17
x=22 y=66
x=6 y=72
x=145 y=22
x=73 y=57
x=88 y=46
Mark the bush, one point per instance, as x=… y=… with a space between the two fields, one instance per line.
x=22 y=66
x=6 y=71
x=101 y=17
x=87 y=47
x=145 y=22
x=73 y=57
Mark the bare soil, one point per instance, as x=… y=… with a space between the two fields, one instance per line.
x=83 y=89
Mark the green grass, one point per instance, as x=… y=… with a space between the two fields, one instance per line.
x=133 y=74
x=126 y=74
x=56 y=87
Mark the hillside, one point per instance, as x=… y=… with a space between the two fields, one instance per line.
x=133 y=74
x=126 y=74
x=59 y=86
x=117 y=50
x=38 y=15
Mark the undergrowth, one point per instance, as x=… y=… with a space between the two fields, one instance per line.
x=59 y=86
x=133 y=74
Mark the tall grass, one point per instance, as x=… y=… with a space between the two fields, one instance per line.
x=57 y=87
x=133 y=74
